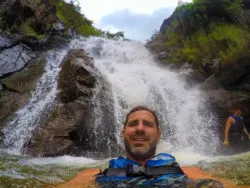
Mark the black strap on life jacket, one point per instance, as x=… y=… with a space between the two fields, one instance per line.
x=134 y=170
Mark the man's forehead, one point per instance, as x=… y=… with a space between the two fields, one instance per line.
x=141 y=114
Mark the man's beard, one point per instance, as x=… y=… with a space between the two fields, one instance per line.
x=142 y=153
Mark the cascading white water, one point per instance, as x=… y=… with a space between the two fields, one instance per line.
x=19 y=130
x=137 y=79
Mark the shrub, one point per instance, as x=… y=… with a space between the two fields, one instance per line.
x=71 y=18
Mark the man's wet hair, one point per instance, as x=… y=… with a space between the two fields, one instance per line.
x=139 y=108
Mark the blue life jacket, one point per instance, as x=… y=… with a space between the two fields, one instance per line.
x=159 y=160
x=238 y=120
x=237 y=127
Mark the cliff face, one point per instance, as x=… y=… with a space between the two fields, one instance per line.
x=212 y=37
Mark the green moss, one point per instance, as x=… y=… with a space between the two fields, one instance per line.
x=28 y=30
x=236 y=169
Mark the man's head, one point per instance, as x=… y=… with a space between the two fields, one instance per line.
x=141 y=133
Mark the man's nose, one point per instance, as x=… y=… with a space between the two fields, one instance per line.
x=140 y=126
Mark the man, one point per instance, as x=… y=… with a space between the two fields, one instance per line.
x=141 y=135
x=141 y=166
x=236 y=127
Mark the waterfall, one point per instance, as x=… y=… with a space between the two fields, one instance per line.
x=137 y=79
x=27 y=119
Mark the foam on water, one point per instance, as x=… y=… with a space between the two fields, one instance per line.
x=63 y=161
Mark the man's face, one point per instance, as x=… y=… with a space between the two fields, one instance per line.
x=141 y=135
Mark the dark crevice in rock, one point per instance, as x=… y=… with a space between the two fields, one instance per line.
x=19 y=70
x=9 y=46
x=5 y=88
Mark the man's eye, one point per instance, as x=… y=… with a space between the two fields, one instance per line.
x=148 y=123
x=132 y=123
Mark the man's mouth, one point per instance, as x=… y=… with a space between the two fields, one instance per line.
x=139 y=139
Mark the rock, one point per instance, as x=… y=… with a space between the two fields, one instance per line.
x=32 y=20
x=9 y=103
x=233 y=76
x=163 y=55
x=14 y=59
x=75 y=77
x=83 y=100
x=34 y=42
x=6 y=41
x=247 y=16
x=191 y=77
x=17 y=89
x=1 y=87
x=25 y=80
x=211 y=83
x=245 y=84
x=43 y=11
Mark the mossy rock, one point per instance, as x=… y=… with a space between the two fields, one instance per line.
x=236 y=169
x=7 y=182
x=25 y=80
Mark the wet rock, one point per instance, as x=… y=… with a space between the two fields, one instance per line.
x=17 y=88
x=6 y=41
x=9 y=102
x=211 y=83
x=76 y=77
x=233 y=76
x=25 y=80
x=163 y=55
x=14 y=59
x=71 y=128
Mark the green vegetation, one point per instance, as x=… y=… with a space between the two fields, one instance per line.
x=223 y=41
x=38 y=20
x=205 y=30
x=115 y=36
x=236 y=169
x=72 y=19
x=28 y=30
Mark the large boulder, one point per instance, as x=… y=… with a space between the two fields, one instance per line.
x=71 y=126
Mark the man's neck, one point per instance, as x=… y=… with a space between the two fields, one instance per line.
x=140 y=161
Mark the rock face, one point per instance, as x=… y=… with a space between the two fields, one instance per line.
x=18 y=11
x=16 y=89
x=236 y=76
x=20 y=70
x=14 y=59
x=71 y=126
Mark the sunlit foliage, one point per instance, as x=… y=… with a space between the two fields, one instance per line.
x=205 y=29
